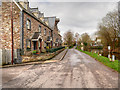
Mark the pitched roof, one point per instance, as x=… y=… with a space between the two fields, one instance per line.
x=31 y=14
x=36 y=35
x=51 y=21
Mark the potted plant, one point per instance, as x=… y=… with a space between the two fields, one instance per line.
x=34 y=52
x=47 y=48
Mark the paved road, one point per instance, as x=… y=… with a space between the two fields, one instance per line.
x=76 y=70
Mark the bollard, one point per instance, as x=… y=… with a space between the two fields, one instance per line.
x=108 y=55
x=113 y=58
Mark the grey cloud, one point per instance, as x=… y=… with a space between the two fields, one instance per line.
x=77 y=16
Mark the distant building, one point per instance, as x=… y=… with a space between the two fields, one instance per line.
x=97 y=42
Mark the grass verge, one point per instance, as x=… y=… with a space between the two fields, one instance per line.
x=114 y=65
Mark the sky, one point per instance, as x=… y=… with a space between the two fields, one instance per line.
x=76 y=16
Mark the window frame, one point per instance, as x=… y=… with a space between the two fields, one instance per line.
x=50 y=33
x=28 y=21
x=39 y=28
x=45 y=32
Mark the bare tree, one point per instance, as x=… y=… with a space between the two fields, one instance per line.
x=109 y=29
x=85 y=39
x=69 y=38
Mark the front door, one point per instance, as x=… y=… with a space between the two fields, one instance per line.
x=34 y=45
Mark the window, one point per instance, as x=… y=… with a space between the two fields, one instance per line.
x=28 y=44
x=44 y=44
x=28 y=24
x=49 y=33
x=39 y=28
x=44 y=31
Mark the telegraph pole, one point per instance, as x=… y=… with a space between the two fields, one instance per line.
x=12 y=32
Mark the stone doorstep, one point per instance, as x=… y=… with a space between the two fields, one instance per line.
x=34 y=63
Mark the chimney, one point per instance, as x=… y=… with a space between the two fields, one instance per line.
x=35 y=11
x=25 y=4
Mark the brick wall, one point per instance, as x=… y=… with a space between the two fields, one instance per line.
x=6 y=26
x=55 y=34
x=34 y=28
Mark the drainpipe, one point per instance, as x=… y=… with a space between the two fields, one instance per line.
x=12 y=31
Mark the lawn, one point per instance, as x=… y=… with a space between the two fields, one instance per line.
x=114 y=65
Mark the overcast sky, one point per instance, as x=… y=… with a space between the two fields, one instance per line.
x=77 y=16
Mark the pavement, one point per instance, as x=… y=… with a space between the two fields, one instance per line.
x=76 y=70
x=57 y=58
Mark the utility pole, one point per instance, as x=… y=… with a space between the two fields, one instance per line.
x=12 y=32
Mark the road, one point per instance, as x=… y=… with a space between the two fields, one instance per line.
x=76 y=70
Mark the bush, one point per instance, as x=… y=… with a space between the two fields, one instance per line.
x=47 y=47
x=54 y=49
x=34 y=51
x=71 y=46
x=96 y=47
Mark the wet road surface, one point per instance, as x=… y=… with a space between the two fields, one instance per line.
x=76 y=70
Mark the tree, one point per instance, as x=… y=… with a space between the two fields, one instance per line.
x=69 y=38
x=85 y=39
x=109 y=29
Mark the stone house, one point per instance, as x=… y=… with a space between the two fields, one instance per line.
x=31 y=30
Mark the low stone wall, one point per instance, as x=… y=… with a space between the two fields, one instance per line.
x=41 y=57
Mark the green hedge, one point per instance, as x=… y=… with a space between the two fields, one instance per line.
x=71 y=46
x=96 y=47
x=54 y=49
x=114 y=65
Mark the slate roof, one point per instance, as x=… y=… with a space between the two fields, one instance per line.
x=51 y=21
x=31 y=14
x=36 y=35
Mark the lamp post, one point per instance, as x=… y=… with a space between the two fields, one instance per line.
x=12 y=31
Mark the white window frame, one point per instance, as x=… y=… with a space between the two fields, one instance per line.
x=44 y=31
x=39 y=28
x=28 y=24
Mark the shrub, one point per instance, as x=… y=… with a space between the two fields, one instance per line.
x=47 y=47
x=34 y=51
x=54 y=49
x=71 y=46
